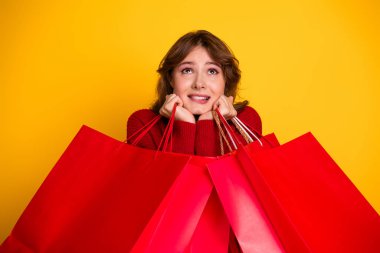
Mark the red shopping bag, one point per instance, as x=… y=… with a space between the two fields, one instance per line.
x=104 y=195
x=249 y=221
x=173 y=224
x=97 y=198
x=315 y=199
x=190 y=217
x=212 y=233
x=245 y=213
x=309 y=202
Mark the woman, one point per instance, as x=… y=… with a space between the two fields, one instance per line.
x=199 y=74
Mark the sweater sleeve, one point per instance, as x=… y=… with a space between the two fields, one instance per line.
x=136 y=122
x=251 y=119
x=183 y=137
x=200 y=139
x=183 y=132
x=207 y=138
x=207 y=142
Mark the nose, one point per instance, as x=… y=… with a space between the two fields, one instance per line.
x=199 y=82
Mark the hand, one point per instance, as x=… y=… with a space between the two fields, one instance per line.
x=181 y=113
x=225 y=106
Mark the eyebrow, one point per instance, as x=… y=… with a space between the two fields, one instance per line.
x=192 y=63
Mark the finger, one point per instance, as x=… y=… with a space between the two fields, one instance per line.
x=170 y=97
x=226 y=102
x=167 y=97
x=169 y=106
x=179 y=101
x=231 y=104
x=163 y=112
x=231 y=101
x=226 y=108
x=217 y=103
x=223 y=104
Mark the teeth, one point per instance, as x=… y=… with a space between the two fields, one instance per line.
x=199 y=97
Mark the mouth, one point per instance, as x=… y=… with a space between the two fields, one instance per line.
x=199 y=98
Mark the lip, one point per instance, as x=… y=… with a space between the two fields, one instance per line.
x=199 y=98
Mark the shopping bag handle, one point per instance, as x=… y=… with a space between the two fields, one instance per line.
x=168 y=133
x=227 y=131
x=142 y=131
x=166 y=137
x=248 y=134
x=222 y=136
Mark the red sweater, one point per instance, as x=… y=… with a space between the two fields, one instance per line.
x=201 y=138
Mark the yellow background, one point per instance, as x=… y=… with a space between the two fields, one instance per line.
x=306 y=66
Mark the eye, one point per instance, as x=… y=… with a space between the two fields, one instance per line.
x=186 y=71
x=213 y=71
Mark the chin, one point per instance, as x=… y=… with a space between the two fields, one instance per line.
x=199 y=112
x=198 y=109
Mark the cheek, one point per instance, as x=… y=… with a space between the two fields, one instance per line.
x=180 y=85
x=219 y=88
x=176 y=84
x=179 y=89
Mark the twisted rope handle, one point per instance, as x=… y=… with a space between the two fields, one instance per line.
x=222 y=135
x=247 y=134
x=245 y=131
x=242 y=131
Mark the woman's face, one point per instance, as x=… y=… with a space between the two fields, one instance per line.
x=199 y=81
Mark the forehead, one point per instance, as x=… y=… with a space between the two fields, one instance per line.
x=198 y=55
x=198 y=52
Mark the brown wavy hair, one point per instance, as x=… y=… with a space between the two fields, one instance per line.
x=219 y=52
